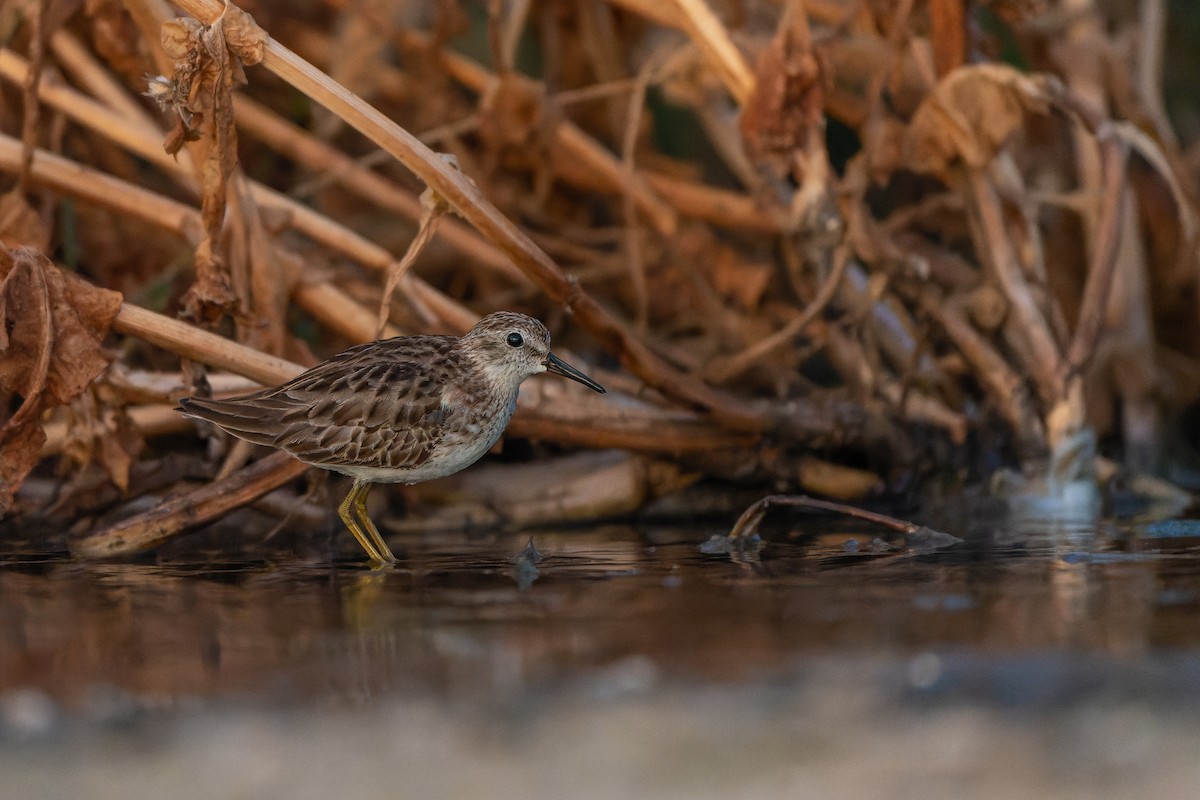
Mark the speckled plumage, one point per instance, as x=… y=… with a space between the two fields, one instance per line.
x=400 y=410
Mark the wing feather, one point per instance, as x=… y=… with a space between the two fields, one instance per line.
x=372 y=406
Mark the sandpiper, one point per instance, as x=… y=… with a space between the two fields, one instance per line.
x=400 y=410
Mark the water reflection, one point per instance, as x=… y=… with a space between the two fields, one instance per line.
x=461 y=618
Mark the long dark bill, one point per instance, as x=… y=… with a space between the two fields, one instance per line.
x=559 y=367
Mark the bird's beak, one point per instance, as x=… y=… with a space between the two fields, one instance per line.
x=559 y=367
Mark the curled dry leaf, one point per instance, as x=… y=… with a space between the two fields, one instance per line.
x=512 y=117
x=50 y=351
x=108 y=438
x=208 y=64
x=744 y=282
x=786 y=109
x=116 y=38
x=120 y=442
x=969 y=117
x=20 y=223
x=245 y=38
x=883 y=147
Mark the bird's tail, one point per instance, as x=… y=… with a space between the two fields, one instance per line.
x=244 y=420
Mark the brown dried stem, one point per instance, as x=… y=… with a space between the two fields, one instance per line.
x=747 y=524
x=150 y=529
x=724 y=369
x=196 y=344
x=587 y=159
x=579 y=158
x=306 y=149
x=696 y=19
x=1104 y=258
x=434 y=211
x=1004 y=386
x=1038 y=350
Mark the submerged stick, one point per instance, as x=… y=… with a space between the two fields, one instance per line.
x=162 y=523
x=748 y=522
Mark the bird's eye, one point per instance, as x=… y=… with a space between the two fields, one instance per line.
x=514 y=339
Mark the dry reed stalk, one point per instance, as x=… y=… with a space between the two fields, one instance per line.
x=590 y=161
x=581 y=160
x=717 y=206
x=150 y=529
x=303 y=148
x=76 y=180
x=1006 y=389
x=1031 y=336
x=188 y=341
x=695 y=18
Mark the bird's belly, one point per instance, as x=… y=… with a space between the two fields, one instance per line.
x=450 y=456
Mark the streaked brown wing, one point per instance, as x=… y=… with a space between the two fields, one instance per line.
x=375 y=405
x=379 y=415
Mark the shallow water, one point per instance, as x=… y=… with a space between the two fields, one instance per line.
x=1034 y=659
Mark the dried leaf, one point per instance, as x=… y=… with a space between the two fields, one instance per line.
x=20 y=223
x=786 y=108
x=245 y=38
x=512 y=116
x=80 y=316
x=107 y=438
x=783 y=122
x=211 y=295
x=742 y=281
x=207 y=67
x=178 y=37
x=116 y=38
x=970 y=116
x=118 y=446
x=883 y=147
x=50 y=353
x=20 y=449
x=177 y=137
x=26 y=334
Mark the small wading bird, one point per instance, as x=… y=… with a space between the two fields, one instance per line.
x=400 y=410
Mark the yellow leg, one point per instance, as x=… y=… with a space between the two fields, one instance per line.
x=364 y=539
x=360 y=507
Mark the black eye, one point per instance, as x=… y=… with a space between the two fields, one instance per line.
x=514 y=339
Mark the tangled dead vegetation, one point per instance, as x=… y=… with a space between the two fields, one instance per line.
x=833 y=245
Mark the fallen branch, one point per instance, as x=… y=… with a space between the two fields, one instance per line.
x=150 y=529
x=747 y=524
